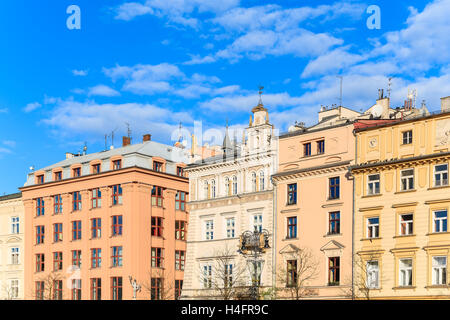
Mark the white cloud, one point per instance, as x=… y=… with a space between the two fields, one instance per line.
x=5 y=150
x=196 y=59
x=80 y=73
x=9 y=143
x=102 y=90
x=130 y=10
x=3 y=110
x=32 y=106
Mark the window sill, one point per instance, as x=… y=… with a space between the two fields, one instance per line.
x=372 y=195
x=333 y=199
x=439 y=187
x=404 y=236
x=403 y=287
x=287 y=239
x=334 y=284
x=332 y=235
x=437 y=233
x=438 y=286
x=405 y=191
x=370 y=239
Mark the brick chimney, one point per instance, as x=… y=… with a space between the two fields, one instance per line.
x=126 y=141
x=146 y=137
x=445 y=104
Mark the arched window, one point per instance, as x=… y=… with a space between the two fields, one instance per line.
x=235 y=186
x=261 y=181
x=227 y=186
x=213 y=188
x=253 y=181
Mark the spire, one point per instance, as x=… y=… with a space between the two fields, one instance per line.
x=226 y=146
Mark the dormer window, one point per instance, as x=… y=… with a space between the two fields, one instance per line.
x=40 y=179
x=157 y=166
x=179 y=171
x=96 y=168
x=58 y=175
x=76 y=172
x=117 y=164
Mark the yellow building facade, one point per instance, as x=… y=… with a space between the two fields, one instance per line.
x=401 y=207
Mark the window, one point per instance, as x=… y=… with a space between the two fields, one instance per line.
x=334 y=188
x=407 y=137
x=116 y=257
x=209 y=230
x=213 y=188
x=373 y=184
x=292 y=227
x=321 y=147
x=179 y=259
x=157 y=196
x=180 y=171
x=373 y=227
x=40 y=207
x=180 y=200
x=40 y=231
x=227 y=186
x=96 y=200
x=333 y=271
x=257 y=222
x=40 y=179
x=180 y=230
x=407 y=179
x=334 y=222
x=307 y=149
x=76 y=289
x=15 y=225
x=39 y=293
x=96 y=258
x=117 y=164
x=206 y=189
x=372 y=274
x=292 y=278
x=157 y=166
x=15 y=255
x=57 y=204
x=440 y=221
x=235 y=185
x=58 y=175
x=14 y=287
x=96 y=289
x=178 y=288
x=406 y=224
x=292 y=194
x=207 y=276
x=57 y=261
x=157 y=226
x=40 y=262
x=57 y=232
x=441 y=175
x=439 y=276
x=228 y=275
x=96 y=168
x=76 y=230
x=261 y=181
x=76 y=258
x=116 y=288
x=156 y=288
x=96 y=228
x=76 y=172
x=157 y=257
x=116 y=194
x=253 y=181
x=405 y=273
x=76 y=200
x=116 y=225
x=230 y=227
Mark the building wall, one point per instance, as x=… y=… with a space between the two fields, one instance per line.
x=11 y=207
x=381 y=151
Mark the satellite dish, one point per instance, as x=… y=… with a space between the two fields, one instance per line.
x=377 y=111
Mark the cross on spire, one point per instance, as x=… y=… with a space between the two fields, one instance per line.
x=260 y=92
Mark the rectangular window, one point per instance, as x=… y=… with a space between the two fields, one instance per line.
x=373 y=184
x=180 y=171
x=76 y=200
x=157 y=166
x=292 y=277
x=14 y=255
x=96 y=289
x=441 y=175
x=291 y=227
x=440 y=221
x=57 y=232
x=180 y=230
x=15 y=225
x=228 y=275
x=157 y=226
x=116 y=256
x=405 y=273
x=76 y=258
x=39 y=293
x=157 y=257
x=258 y=222
x=76 y=230
x=406 y=224
x=178 y=288
x=157 y=196
x=407 y=137
x=116 y=288
x=96 y=168
x=373 y=274
x=14 y=287
x=117 y=164
x=334 y=188
x=76 y=172
x=57 y=261
x=96 y=258
x=230 y=227
x=40 y=179
x=40 y=207
x=96 y=228
x=407 y=179
x=179 y=259
x=292 y=193
x=58 y=176
x=333 y=271
x=439 y=276
x=156 y=288
x=40 y=231
x=116 y=194
x=76 y=289
x=96 y=201
x=321 y=147
x=373 y=227
x=57 y=204
x=209 y=230
x=40 y=262
x=207 y=276
x=180 y=201
x=307 y=149
x=334 y=222
x=116 y=225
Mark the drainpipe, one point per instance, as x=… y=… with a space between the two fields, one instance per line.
x=353 y=218
x=274 y=235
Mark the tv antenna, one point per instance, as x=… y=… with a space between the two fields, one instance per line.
x=340 y=92
x=260 y=92
x=389 y=87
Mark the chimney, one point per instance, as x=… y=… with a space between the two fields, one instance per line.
x=445 y=104
x=384 y=103
x=69 y=155
x=146 y=137
x=126 y=141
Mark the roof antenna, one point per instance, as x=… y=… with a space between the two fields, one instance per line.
x=112 y=138
x=260 y=94
x=85 y=148
x=128 y=130
x=389 y=87
x=340 y=95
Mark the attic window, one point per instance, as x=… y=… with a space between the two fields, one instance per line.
x=117 y=164
x=40 y=179
x=76 y=172
x=58 y=175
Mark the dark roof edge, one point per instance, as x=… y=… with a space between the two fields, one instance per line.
x=295 y=133
x=330 y=165
x=11 y=196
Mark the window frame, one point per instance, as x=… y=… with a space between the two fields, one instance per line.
x=373 y=187
x=334 y=189
x=442 y=174
x=409 y=180
x=291 y=192
x=334 y=222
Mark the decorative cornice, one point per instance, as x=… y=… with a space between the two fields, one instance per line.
x=407 y=204
x=312 y=171
x=371 y=208
x=437 y=201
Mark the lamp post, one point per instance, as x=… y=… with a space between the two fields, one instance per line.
x=252 y=245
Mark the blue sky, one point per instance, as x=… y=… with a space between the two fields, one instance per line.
x=158 y=62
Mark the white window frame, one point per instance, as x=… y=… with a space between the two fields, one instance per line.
x=408 y=134
x=407 y=223
x=207 y=275
x=209 y=229
x=409 y=180
x=372 y=185
x=14 y=289
x=257 y=222
x=228 y=273
x=372 y=274
x=443 y=175
x=230 y=228
x=13 y=254
x=405 y=272
x=213 y=188
x=439 y=271
x=15 y=225
x=253 y=182
x=373 y=227
x=441 y=225
x=234 y=185
x=262 y=181
x=227 y=186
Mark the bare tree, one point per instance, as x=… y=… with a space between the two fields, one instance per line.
x=157 y=286
x=365 y=276
x=301 y=267
x=49 y=289
x=9 y=291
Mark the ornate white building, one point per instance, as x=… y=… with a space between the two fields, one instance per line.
x=229 y=194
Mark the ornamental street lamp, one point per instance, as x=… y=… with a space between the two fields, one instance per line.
x=252 y=245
